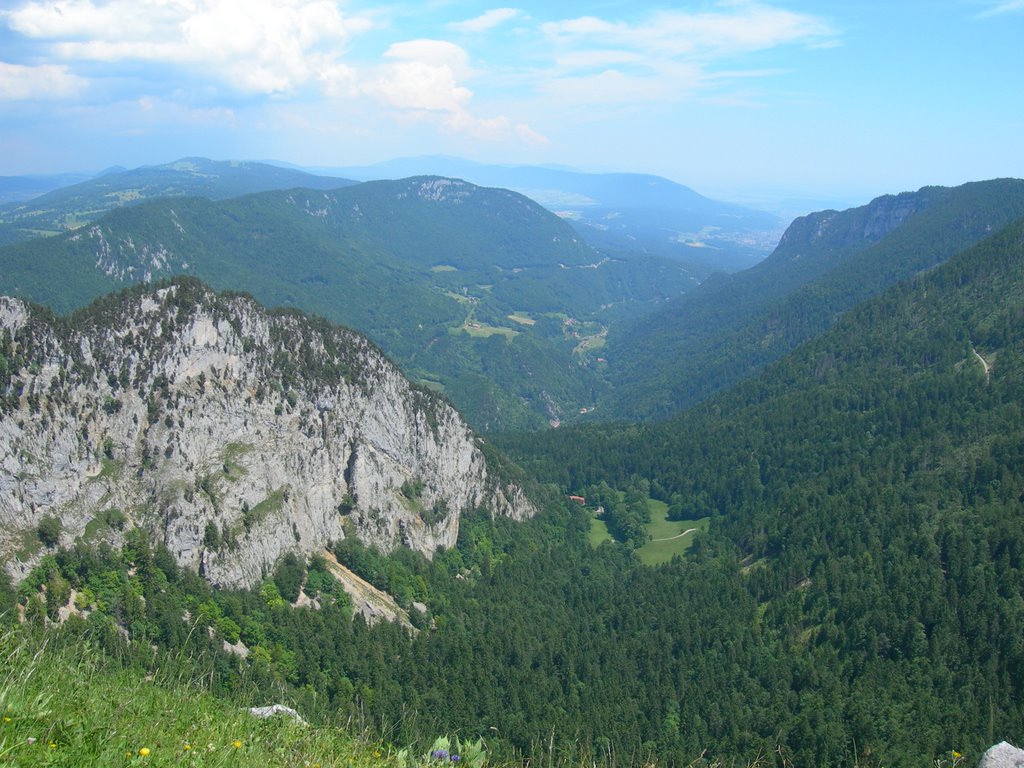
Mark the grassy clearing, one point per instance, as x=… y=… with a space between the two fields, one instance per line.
x=68 y=706
x=666 y=541
x=482 y=331
x=461 y=298
x=443 y=268
x=522 y=318
x=598 y=532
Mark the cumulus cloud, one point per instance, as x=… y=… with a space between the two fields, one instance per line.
x=255 y=46
x=424 y=76
x=486 y=21
x=424 y=81
x=47 y=81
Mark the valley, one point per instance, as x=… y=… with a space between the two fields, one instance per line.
x=587 y=505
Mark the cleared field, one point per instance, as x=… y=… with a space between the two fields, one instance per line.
x=483 y=331
x=598 y=532
x=668 y=537
x=522 y=319
x=443 y=268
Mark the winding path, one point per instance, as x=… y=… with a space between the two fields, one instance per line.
x=985 y=365
x=677 y=536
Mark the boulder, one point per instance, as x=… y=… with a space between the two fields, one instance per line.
x=1002 y=755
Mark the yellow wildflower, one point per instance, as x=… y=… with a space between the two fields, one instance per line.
x=144 y=752
x=237 y=744
x=187 y=747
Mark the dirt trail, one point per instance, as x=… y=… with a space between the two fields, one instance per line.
x=677 y=536
x=984 y=364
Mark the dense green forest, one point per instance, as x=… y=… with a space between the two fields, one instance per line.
x=858 y=599
x=827 y=262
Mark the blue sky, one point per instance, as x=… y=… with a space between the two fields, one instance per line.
x=853 y=98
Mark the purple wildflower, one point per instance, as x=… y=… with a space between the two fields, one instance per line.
x=456 y=758
x=440 y=754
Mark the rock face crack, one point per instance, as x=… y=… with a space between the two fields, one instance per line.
x=230 y=434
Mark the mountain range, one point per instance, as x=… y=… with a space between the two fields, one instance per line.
x=69 y=206
x=478 y=291
x=616 y=211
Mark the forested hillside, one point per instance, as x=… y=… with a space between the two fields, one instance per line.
x=825 y=264
x=859 y=598
x=632 y=212
x=479 y=292
x=868 y=488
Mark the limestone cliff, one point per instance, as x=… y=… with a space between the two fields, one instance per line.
x=230 y=434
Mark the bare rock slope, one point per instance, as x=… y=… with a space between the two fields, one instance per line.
x=231 y=434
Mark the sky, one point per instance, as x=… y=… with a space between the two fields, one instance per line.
x=848 y=97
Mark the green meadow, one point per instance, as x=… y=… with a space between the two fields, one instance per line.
x=668 y=537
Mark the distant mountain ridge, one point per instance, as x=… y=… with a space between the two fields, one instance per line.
x=617 y=211
x=70 y=207
x=825 y=264
x=15 y=189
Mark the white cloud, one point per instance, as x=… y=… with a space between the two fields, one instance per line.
x=424 y=82
x=255 y=46
x=425 y=76
x=737 y=28
x=669 y=54
x=1012 y=6
x=486 y=21
x=47 y=81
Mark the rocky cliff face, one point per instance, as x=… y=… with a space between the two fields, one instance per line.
x=857 y=227
x=230 y=434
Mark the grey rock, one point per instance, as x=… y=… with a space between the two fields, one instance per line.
x=230 y=434
x=1002 y=755
x=276 y=709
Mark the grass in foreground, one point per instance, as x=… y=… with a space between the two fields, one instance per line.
x=67 y=707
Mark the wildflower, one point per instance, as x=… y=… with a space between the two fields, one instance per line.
x=30 y=740
x=53 y=745
x=144 y=752
x=440 y=754
x=187 y=747
x=7 y=719
x=237 y=744
x=956 y=755
x=456 y=758
x=377 y=753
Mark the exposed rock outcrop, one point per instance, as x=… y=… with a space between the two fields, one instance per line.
x=1002 y=755
x=230 y=434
